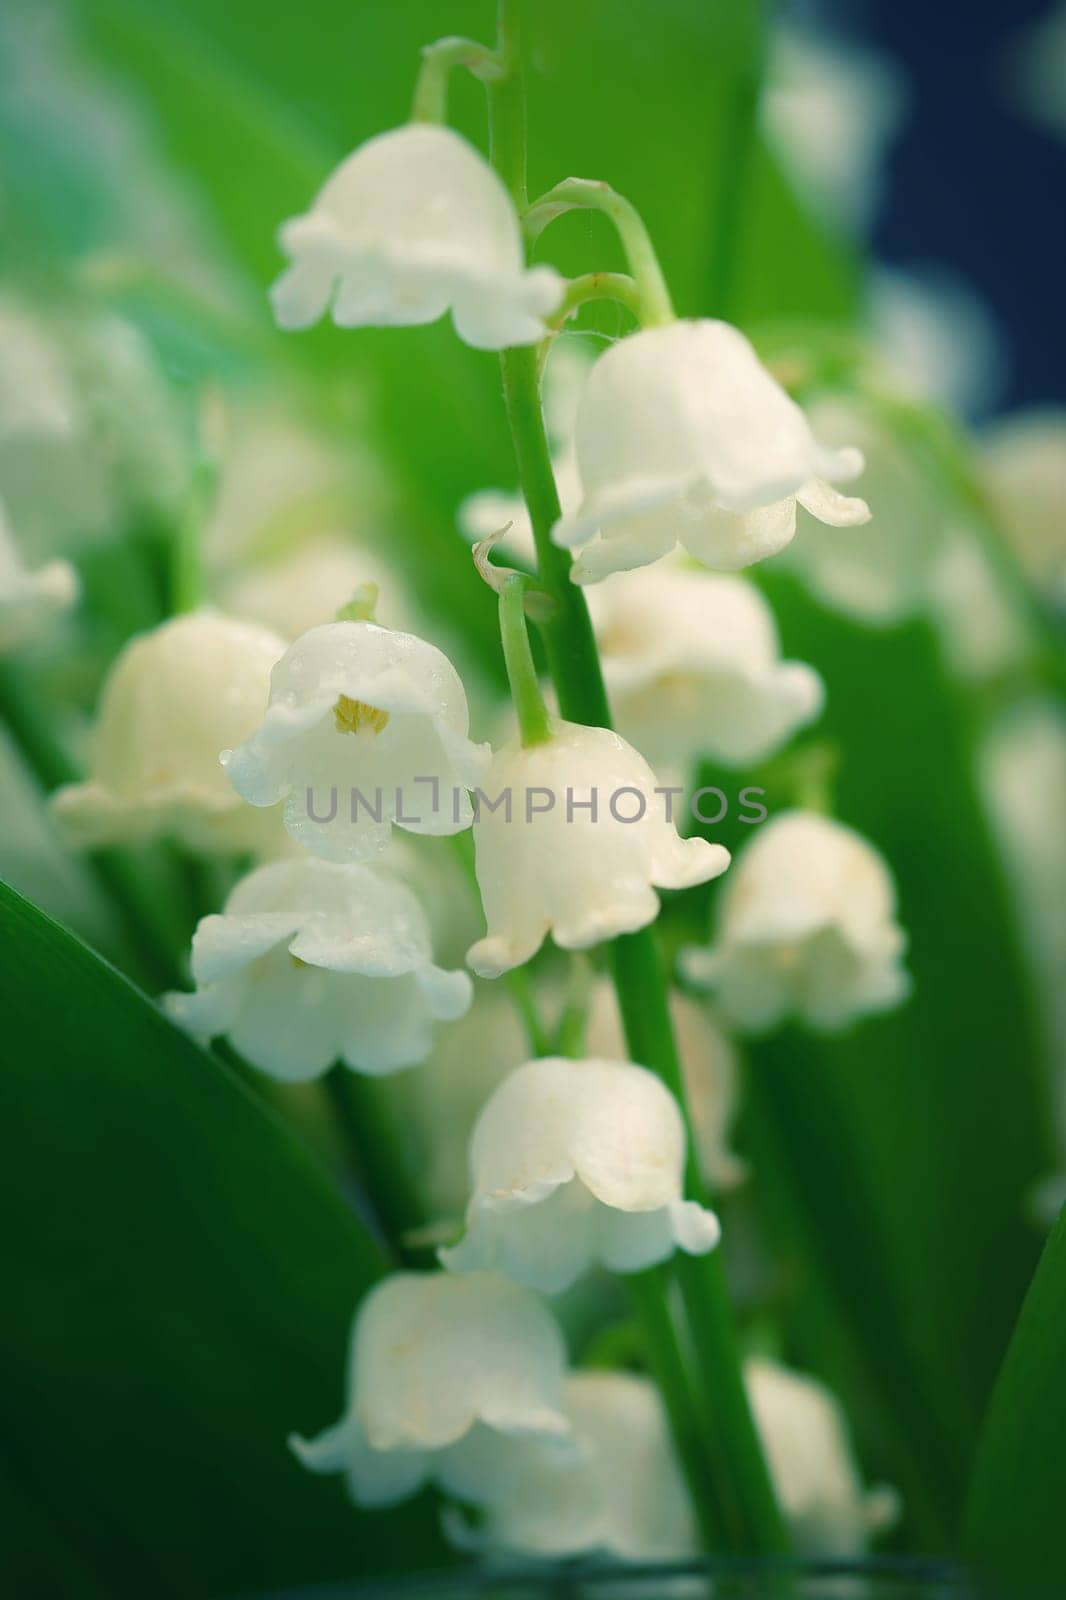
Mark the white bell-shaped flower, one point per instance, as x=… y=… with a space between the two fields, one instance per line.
x=412 y=224
x=577 y=849
x=807 y=928
x=174 y=698
x=366 y=726
x=828 y=1510
x=709 y=1069
x=437 y=1365
x=612 y=1488
x=683 y=437
x=693 y=667
x=576 y=1163
x=313 y=962
x=29 y=600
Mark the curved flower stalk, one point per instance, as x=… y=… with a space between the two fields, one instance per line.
x=683 y=437
x=312 y=962
x=614 y=1488
x=365 y=727
x=29 y=601
x=438 y=1367
x=807 y=928
x=817 y=1479
x=173 y=699
x=693 y=667
x=584 y=847
x=709 y=1068
x=575 y=1163
x=412 y=224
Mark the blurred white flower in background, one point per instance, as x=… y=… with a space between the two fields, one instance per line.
x=282 y=479
x=936 y=338
x=310 y=584
x=84 y=134
x=693 y=667
x=34 y=861
x=1034 y=68
x=357 y=707
x=29 y=601
x=575 y=1163
x=683 y=437
x=580 y=850
x=1023 y=463
x=438 y=1363
x=173 y=699
x=881 y=574
x=613 y=1487
x=806 y=927
x=831 y=111
x=1022 y=769
x=804 y=1433
x=981 y=631
x=312 y=962
x=90 y=434
x=412 y=224
x=36 y=397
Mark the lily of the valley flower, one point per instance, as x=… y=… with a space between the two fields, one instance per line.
x=174 y=698
x=708 y=1066
x=577 y=1162
x=438 y=1365
x=579 y=849
x=613 y=1487
x=366 y=726
x=29 y=600
x=807 y=928
x=814 y=1472
x=694 y=668
x=683 y=437
x=412 y=224
x=313 y=962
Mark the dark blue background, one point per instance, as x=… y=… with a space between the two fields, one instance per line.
x=972 y=182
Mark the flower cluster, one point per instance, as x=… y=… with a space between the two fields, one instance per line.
x=324 y=749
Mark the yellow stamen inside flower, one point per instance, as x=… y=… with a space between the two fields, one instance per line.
x=352 y=716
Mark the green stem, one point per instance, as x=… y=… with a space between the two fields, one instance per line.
x=591 y=286
x=648 y=1296
x=439 y=61
x=637 y=966
x=534 y=725
x=380 y=1161
x=654 y=305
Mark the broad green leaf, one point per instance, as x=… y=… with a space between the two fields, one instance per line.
x=180 y=1277
x=913 y=1141
x=1014 y=1516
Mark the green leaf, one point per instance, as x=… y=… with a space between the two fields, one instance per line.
x=180 y=1277
x=1014 y=1517
x=913 y=1140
